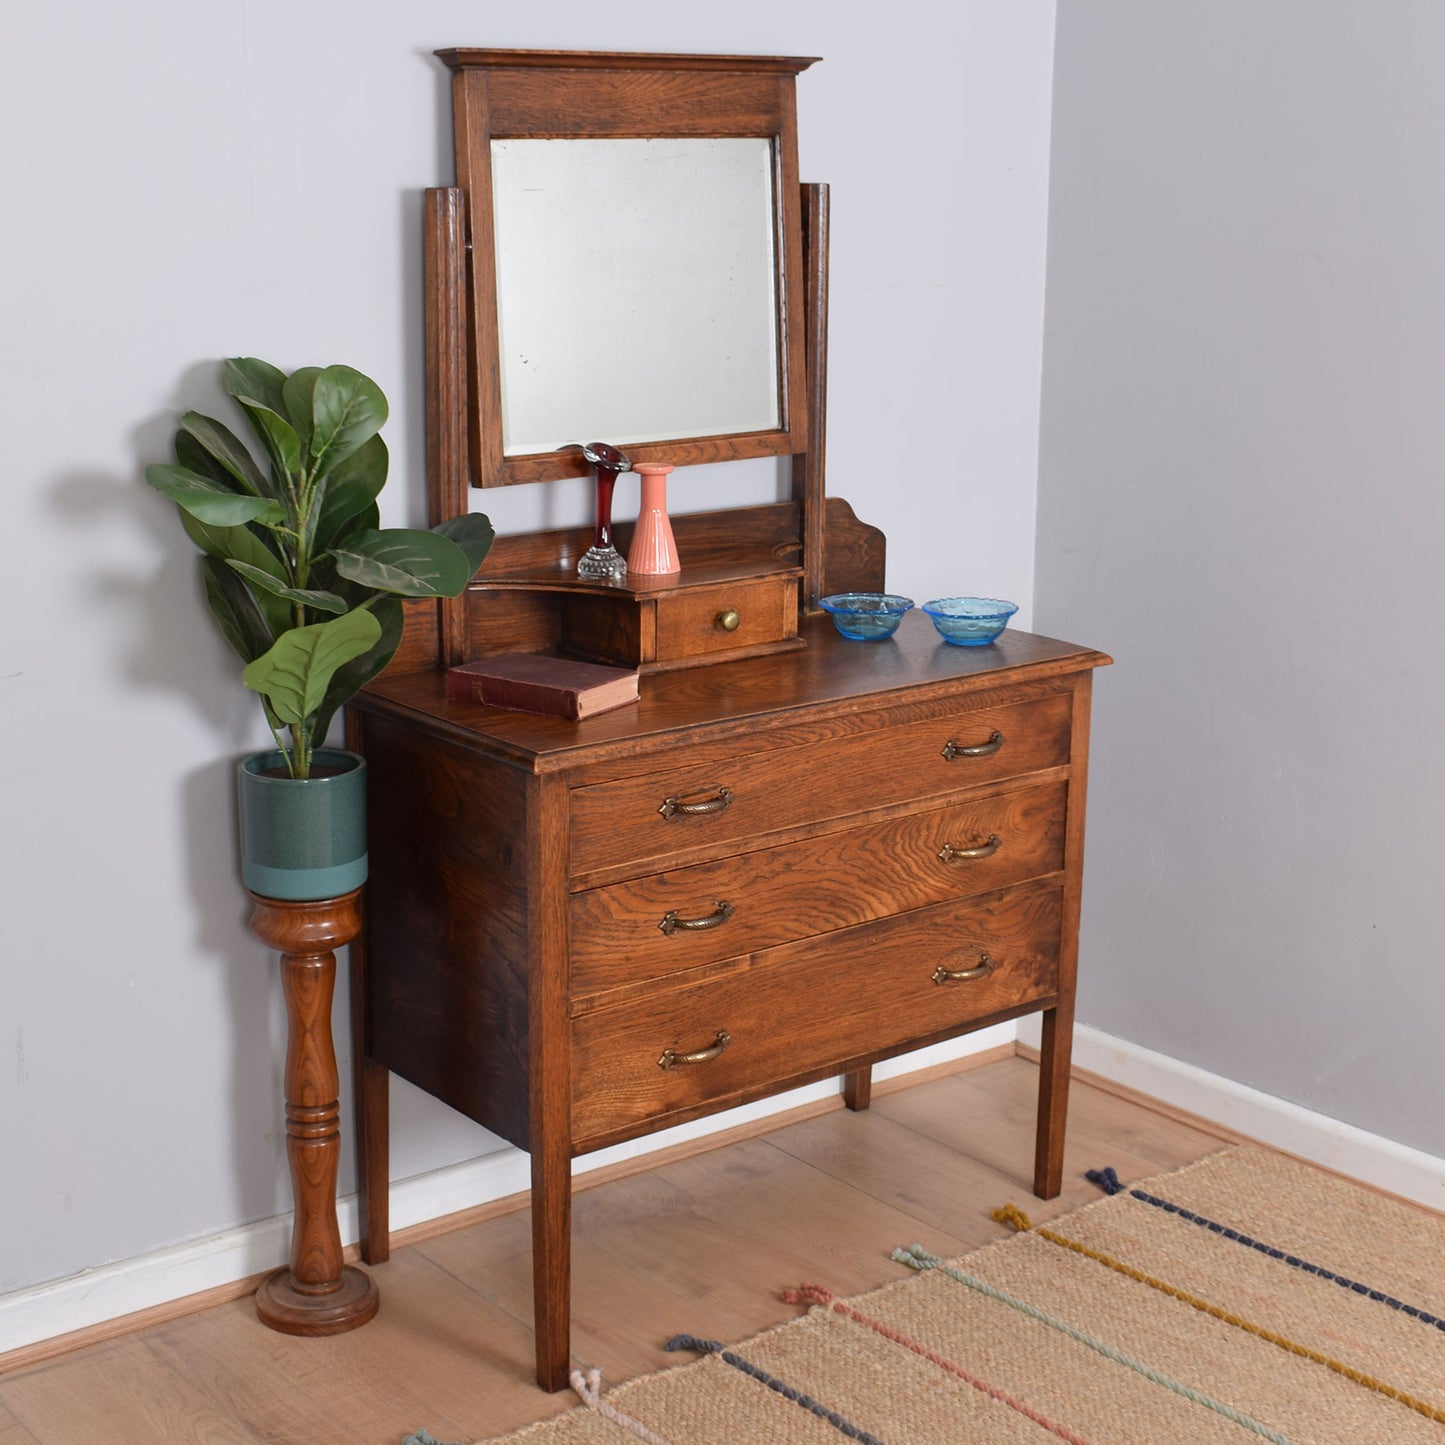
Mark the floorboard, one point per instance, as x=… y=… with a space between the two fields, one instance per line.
x=702 y=1244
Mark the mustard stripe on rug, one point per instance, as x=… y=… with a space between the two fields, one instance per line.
x=1064 y=1333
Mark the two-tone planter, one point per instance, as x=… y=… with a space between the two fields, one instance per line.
x=303 y=838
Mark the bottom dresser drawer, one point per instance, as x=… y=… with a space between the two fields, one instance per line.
x=797 y=1009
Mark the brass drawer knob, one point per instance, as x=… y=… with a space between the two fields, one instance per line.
x=671 y=923
x=981 y=969
x=952 y=750
x=729 y=620
x=949 y=854
x=677 y=808
x=671 y=1058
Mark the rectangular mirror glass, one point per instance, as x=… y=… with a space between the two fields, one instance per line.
x=636 y=289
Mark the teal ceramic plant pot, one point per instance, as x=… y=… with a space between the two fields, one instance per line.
x=303 y=839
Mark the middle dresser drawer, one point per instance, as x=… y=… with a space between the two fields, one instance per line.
x=805 y=1007
x=667 y=923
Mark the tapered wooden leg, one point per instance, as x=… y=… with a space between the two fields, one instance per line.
x=552 y=1259
x=371 y=1091
x=1055 y=1051
x=858 y=1088
x=373 y=1162
x=316 y=1295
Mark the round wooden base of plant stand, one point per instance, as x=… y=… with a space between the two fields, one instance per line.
x=316 y=1294
x=284 y=1305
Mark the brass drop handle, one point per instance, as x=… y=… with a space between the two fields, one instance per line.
x=952 y=750
x=671 y=923
x=729 y=620
x=676 y=808
x=981 y=969
x=948 y=853
x=671 y=1058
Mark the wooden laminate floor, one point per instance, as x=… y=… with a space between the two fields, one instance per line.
x=701 y=1244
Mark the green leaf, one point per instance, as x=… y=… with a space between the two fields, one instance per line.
x=347 y=409
x=259 y=387
x=294 y=675
x=256 y=383
x=276 y=586
x=238 y=542
x=350 y=492
x=296 y=393
x=350 y=679
x=235 y=610
x=366 y=465
x=405 y=562
x=279 y=438
x=210 y=501
x=347 y=512
x=241 y=544
x=223 y=446
x=474 y=534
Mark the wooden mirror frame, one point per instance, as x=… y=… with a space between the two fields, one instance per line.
x=547 y=94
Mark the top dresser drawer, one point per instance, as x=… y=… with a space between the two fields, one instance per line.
x=701 y=810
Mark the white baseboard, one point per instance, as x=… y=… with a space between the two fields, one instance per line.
x=108 y=1292
x=1395 y=1168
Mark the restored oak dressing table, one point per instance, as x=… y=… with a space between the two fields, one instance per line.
x=795 y=856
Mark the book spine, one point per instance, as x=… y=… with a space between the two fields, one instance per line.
x=515 y=695
x=539 y=697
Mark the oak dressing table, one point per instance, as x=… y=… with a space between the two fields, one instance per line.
x=795 y=856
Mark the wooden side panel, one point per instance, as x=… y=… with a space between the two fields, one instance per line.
x=856 y=552
x=446 y=935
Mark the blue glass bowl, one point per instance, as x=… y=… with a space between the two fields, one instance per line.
x=970 y=621
x=866 y=616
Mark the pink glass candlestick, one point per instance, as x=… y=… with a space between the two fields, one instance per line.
x=653 y=552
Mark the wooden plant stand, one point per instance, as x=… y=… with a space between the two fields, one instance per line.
x=316 y=1294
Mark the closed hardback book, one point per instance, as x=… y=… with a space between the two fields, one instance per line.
x=530 y=682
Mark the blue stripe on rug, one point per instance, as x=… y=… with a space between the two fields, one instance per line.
x=1108 y=1181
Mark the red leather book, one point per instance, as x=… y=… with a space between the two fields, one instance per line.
x=529 y=682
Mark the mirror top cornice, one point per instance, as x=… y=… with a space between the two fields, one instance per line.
x=463 y=57
x=488 y=360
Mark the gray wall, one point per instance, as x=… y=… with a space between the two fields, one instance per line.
x=185 y=182
x=1241 y=497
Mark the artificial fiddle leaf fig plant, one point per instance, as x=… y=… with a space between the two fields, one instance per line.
x=302 y=580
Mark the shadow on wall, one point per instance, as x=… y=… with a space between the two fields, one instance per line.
x=167 y=642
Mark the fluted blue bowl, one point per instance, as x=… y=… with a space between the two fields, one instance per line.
x=970 y=621
x=866 y=616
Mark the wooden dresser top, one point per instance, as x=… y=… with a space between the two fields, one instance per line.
x=830 y=676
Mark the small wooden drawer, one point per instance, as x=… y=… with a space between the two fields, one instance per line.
x=706 y=620
x=805 y=1007
x=684 y=624
x=666 y=923
x=711 y=809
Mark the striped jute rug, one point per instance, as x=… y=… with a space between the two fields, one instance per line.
x=1244 y=1298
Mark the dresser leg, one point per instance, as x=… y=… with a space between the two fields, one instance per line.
x=373 y=1162
x=552 y=1260
x=858 y=1088
x=1055 y=1050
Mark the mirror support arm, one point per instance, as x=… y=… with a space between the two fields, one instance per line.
x=809 y=466
x=448 y=381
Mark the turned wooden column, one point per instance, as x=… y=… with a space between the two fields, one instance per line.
x=316 y=1294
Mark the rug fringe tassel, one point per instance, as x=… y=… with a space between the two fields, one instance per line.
x=588 y=1386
